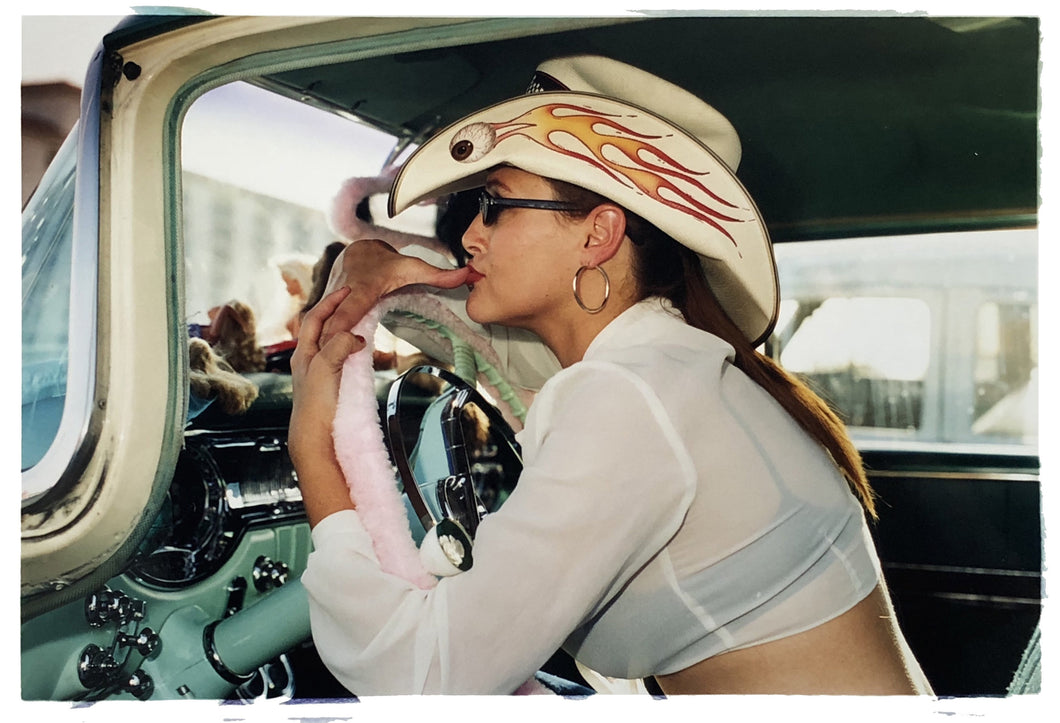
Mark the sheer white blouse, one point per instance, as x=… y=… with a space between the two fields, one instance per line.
x=669 y=510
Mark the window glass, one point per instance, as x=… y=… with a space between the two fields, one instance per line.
x=926 y=338
x=260 y=173
x=869 y=355
x=47 y=241
x=1006 y=372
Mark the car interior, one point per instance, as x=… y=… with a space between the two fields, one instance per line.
x=879 y=150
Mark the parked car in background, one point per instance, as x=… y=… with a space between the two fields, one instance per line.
x=894 y=159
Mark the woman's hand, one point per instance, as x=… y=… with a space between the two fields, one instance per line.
x=316 y=372
x=372 y=269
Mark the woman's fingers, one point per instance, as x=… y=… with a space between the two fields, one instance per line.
x=325 y=306
x=309 y=335
x=348 y=313
x=314 y=319
x=443 y=278
x=336 y=350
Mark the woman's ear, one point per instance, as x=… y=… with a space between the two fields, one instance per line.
x=607 y=228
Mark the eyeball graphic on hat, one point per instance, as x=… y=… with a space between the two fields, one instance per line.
x=472 y=142
x=636 y=139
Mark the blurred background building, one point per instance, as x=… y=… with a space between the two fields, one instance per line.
x=56 y=50
x=49 y=111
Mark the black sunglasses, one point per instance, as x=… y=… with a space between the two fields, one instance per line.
x=490 y=206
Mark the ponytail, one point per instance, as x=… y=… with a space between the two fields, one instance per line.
x=702 y=310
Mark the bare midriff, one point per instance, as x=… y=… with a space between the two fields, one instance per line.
x=858 y=653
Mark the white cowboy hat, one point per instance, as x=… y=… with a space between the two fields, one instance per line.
x=585 y=120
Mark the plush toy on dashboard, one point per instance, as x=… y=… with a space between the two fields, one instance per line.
x=212 y=378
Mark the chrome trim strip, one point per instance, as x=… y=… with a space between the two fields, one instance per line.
x=986 y=599
x=976 y=476
x=996 y=449
x=396 y=440
x=934 y=569
x=57 y=462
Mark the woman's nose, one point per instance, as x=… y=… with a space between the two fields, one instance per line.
x=474 y=238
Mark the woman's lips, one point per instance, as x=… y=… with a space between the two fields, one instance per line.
x=473 y=276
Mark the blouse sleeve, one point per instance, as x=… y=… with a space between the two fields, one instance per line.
x=606 y=484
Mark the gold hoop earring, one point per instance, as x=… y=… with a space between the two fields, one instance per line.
x=577 y=291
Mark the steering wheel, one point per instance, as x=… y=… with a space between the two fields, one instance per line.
x=457 y=457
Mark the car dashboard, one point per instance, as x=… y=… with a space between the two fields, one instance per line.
x=231 y=531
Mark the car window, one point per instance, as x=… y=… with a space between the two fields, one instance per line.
x=1006 y=371
x=259 y=172
x=876 y=372
x=924 y=338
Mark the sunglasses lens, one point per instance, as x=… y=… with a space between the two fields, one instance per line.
x=487 y=210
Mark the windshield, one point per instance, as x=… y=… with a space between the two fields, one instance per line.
x=47 y=241
x=260 y=175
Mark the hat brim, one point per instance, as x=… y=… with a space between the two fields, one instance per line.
x=628 y=155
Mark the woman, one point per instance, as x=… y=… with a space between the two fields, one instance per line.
x=687 y=510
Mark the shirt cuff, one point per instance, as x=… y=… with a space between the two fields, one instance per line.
x=342 y=528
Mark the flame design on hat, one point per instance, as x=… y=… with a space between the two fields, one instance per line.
x=639 y=164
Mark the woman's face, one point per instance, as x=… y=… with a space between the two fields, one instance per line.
x=525 y=260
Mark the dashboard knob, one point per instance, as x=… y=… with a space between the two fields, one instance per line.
x=95 y=667
x=102 y=607
x=130 y=609
x=144 y=642
x=268 y=574
x=139 y=685
x=106 y=605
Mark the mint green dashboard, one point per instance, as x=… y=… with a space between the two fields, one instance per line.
x=231 y=535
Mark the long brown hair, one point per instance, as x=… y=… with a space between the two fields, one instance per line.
x=663 y=267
